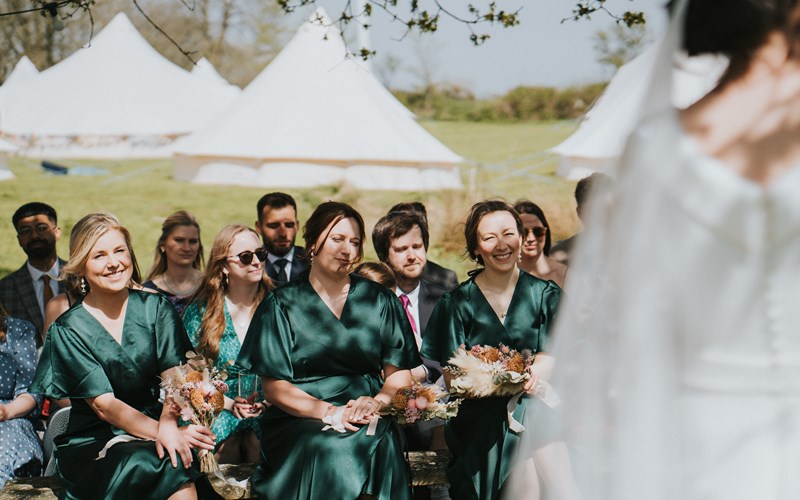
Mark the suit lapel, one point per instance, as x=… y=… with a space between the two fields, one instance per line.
x=27 y=297
x=298 y=263
x=426 y=304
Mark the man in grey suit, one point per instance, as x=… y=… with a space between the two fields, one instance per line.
x=25 y=292
x=277 y=223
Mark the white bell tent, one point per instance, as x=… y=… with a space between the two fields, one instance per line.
x=313 y=117
x=23 y=70
x=117 y=97
x=600 y=140
x=6 y=149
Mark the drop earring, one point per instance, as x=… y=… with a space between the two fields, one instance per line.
x=83 y=285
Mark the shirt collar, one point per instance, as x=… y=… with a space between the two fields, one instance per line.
x=36 y=274
x=413 y=295
x=289 y=256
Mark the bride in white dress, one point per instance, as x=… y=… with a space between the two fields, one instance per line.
x=679 y=350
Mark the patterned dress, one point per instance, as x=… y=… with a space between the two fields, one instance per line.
x=20 y=449
x=226 y=424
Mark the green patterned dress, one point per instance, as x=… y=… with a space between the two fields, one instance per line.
x=226 y=424
x=80 y=360
x=483 y=446
x=295 y=337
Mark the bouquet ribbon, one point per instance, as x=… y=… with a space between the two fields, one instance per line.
x=335 y=421
x=373 y=425
x=513 y=423
x=122 y=438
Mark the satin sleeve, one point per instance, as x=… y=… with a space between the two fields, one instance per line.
x=399 y=348
x=550 y=298
x=172 y=343
x=68 y=367
x=445 y=331
x=269 y=343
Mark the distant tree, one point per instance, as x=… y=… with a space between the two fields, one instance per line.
x=620 y=44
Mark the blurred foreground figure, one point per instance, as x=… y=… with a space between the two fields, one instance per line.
x=679 y=354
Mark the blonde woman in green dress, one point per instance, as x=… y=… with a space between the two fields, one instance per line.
x=217 y=321
x=108 y=353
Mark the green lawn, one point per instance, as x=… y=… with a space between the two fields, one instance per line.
x=505 y=160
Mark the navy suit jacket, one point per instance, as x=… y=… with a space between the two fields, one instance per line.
x=299 y=266
x=19 y=298
x=429 y=294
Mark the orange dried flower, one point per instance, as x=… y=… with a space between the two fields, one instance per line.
x=194 y=377
x=217 y=400
x=428 y=393
x=490 y=355
x=400 y=400
x=196 y=398
x=516 y=363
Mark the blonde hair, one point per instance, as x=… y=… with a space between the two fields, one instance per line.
x=84 y=236
x=211 y=292
x=175 y=220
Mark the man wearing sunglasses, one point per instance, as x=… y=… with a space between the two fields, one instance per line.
x=277 y=224
x=25 y=292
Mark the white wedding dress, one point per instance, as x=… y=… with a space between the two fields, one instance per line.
x=679 y=350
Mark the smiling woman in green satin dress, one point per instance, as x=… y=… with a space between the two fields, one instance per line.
x=499 y=304
x=106 y=353
x=320 y=344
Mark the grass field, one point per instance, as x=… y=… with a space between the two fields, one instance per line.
x=503 y=160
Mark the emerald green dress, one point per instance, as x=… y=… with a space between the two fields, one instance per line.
x=226 y=424
x=295 y=337
x=483 y=447
x=80 y=360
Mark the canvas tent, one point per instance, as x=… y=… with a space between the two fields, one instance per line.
x=23 y=70
x=599 y=141
x=316 y=117
x=117 y=89
x=6 y=149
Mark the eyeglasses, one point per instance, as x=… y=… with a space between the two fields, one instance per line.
x=538 y=231
x=246 y=257
x=38 y=228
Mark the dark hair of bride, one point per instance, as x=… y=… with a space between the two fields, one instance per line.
x=737 y=28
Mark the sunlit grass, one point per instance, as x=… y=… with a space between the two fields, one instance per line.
x=505 y=160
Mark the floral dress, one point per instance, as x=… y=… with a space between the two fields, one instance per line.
x=226 y=424
x=20 y=449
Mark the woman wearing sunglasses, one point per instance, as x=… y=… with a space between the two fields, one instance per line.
x=217 y=320
x=536 y=241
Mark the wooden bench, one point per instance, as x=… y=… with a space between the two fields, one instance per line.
x=427 y=469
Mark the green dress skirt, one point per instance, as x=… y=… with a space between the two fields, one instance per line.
x=295 y=337
x=80 y=360
x=483 y=446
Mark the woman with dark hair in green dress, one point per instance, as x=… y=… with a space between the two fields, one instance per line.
x=499 y=304
x=107 y=354
x=332 y=348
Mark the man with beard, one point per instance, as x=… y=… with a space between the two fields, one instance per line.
x=25 y=292
x=433 y=272
x=401 y=242
x=277 y=224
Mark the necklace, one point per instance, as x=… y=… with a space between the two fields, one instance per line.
x=494 y=299
x=240 y=315
x=174 y=290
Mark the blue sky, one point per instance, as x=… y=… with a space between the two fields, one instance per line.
x=540 y=51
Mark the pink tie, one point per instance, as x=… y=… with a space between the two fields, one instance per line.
x=406 y=302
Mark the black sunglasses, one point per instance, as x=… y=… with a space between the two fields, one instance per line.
x=538 y=231
x=246 y=257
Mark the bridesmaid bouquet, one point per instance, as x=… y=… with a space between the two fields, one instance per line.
x=196 y=393
x=485 y=371
x=420 y=402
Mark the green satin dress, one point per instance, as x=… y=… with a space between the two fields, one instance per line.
x=483 y=447
x=295 y=337
x=80 y=360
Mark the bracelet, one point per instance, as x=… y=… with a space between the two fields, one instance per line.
x=327 y=410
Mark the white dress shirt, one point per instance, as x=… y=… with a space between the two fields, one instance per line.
x=38 y=284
